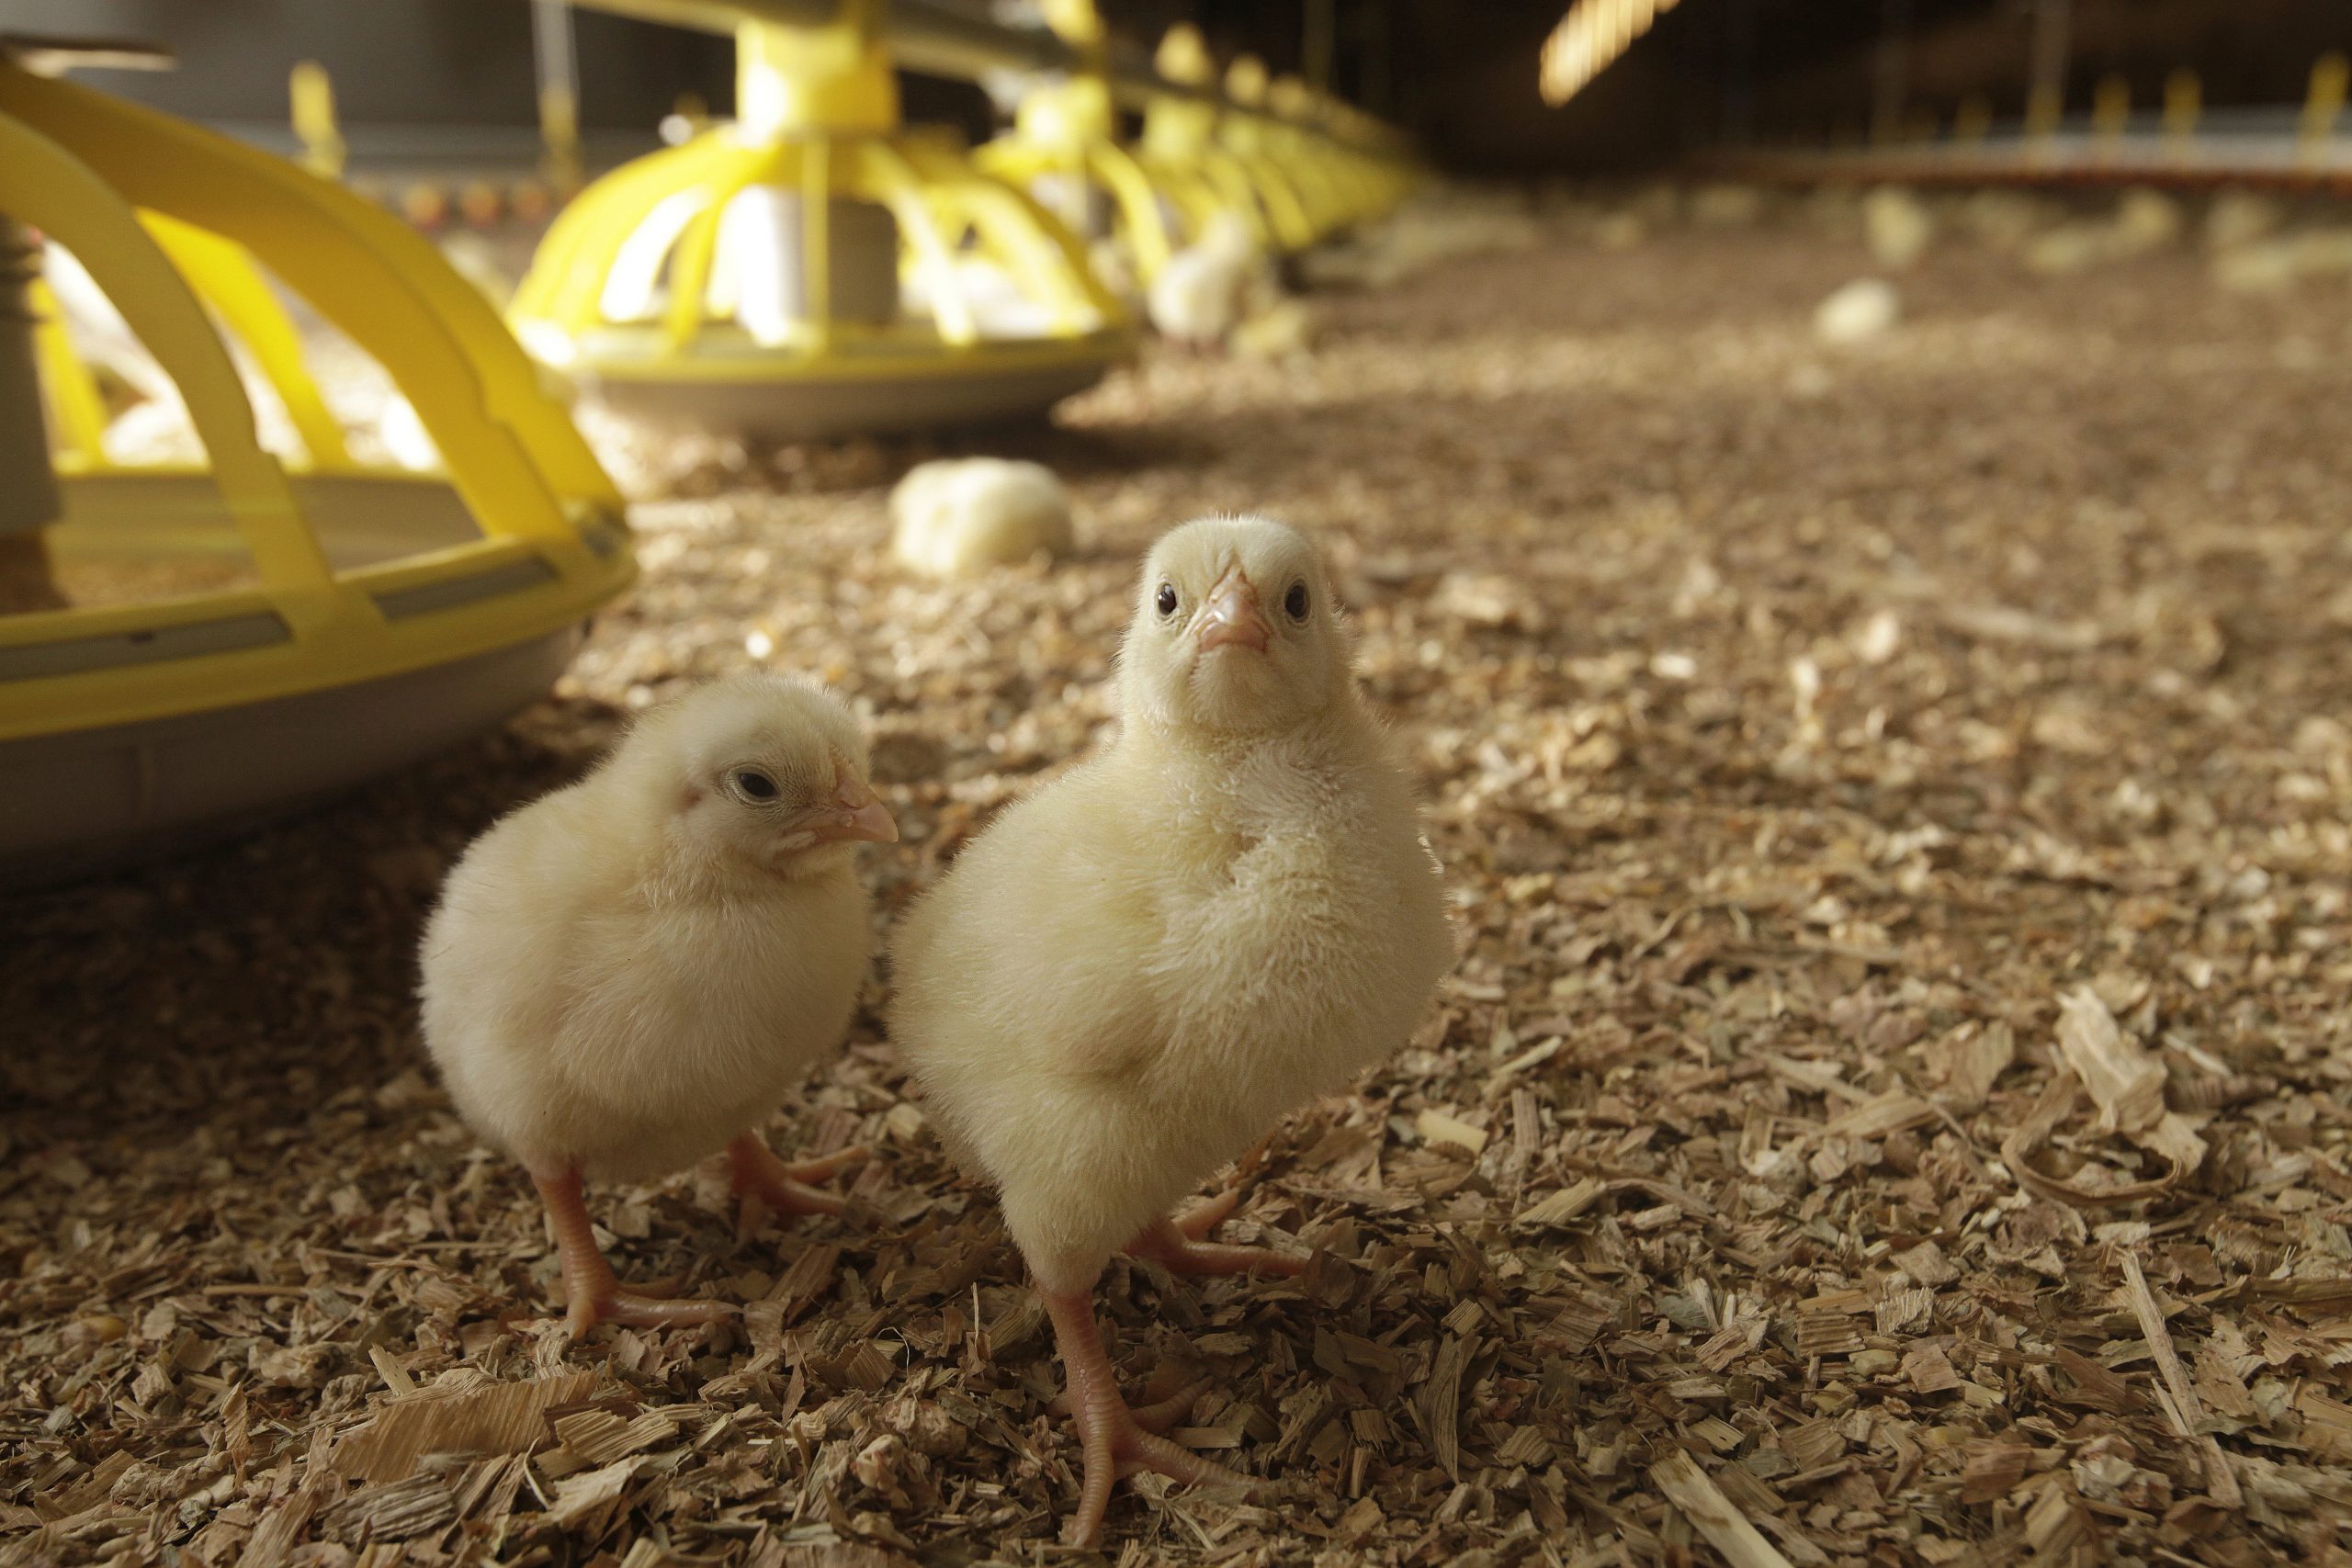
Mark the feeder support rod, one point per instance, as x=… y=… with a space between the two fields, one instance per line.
x=30 y=498
x=932 y=37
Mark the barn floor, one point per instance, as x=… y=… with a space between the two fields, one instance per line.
x=1897 y=1091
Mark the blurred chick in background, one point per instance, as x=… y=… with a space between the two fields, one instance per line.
x=1212 y=286
x=630 y=974
x=1139 y=968
x=956 y=516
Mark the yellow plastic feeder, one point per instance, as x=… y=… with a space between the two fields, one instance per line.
x=1064 y=149
x=812 y=269
x=1192 y=133
x=258 y=631
x=1356 y=184
x=1289 y=151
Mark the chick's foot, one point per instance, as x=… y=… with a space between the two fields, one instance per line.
x=758 y=1176
x=1114 y=1439
x=593 y=1292
x=1175 y=1246
x=1158 y=1416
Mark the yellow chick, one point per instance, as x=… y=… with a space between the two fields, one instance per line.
x=956 y=516
x=1285 y=330
x=631 y=973
x=1139 y=967
x=1898 y=226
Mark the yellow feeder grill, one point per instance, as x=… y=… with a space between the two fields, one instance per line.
x=752 y=278
x=1255 y=133
x=1360 y=187
x=1064 y=149
x=319 y=624
x=1192 y=133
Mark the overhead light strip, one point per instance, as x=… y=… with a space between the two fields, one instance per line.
x=1591 y=36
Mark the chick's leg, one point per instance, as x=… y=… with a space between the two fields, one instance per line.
x=594 y=1292
x=756 y=1173
x=1113 y=1441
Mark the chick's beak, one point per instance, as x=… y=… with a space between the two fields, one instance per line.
x=1232 y=615
x=855 y=814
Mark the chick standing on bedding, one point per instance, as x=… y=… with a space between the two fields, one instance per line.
x=631 y=973
x=1140 y=966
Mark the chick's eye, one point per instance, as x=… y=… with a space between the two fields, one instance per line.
x=1166 y=599
x=755 y=785
x=1294 y=601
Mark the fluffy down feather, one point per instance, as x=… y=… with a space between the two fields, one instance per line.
x=956 y=516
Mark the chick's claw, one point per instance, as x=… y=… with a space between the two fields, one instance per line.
x=1209 y=1212
x=592 y=1291
x=1155 y=1418
x=759 y=1177
x=1166 y=1243
x=636 y=1311
x=1160 y=1416
x=1114 y=1439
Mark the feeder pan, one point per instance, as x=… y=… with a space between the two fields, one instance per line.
x=814 y=270
x=252 y=633
x=1064 y=150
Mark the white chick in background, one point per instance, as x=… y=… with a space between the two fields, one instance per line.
x=1207 y=289
x=1897 y=226
x=1862 y=309
x=2147 y=221
x=630 y=974
x=959 y=515
x=2240 y=218
x=1137 y=969
x=1283 y=330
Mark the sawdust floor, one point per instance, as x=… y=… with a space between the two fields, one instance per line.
x=1895 y=1094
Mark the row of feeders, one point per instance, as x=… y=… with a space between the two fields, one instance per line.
x=196 y=635
x=815 y=267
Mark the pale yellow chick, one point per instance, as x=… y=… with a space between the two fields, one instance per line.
x=631 y=974
x=1136 y=970
x=1210 y=286
x=959 y=515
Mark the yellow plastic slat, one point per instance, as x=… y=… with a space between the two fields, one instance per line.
x=566 y=281
x=511 y=450
x=1115 y=169
x=80 y=435
x=816 y=159
x=892 y=180
x=43 y=183
x=690 y=262
x=225 y=278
